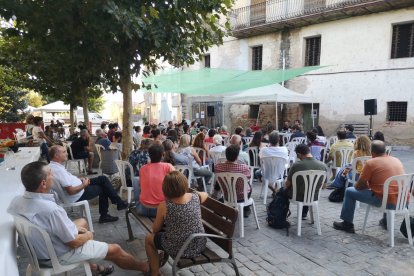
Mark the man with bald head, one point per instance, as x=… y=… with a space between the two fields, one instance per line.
x=243 y=156
x=369 y=188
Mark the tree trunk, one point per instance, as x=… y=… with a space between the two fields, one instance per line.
x=84 y=93
x=125 y=84
x=71 y=119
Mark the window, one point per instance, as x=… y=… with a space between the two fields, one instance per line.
x=402 y=41
x=397 y=111
x=257 y=58
x=313 y=51
x=254 y=111
x=207 y=61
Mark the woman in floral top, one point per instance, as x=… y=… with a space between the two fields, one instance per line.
x=140 y=157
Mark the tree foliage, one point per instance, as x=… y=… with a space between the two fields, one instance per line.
x=88 y=42
x=35 y=99
x=12 y=95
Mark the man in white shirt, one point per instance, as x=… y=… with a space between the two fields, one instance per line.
x=243 y=156
x=73 y=189
x=273 y=150
x=72 y=241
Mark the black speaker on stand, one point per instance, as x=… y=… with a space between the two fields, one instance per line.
x=370 y=108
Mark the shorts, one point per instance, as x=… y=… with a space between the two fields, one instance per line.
x=81 y=155
x=158 y=240
x=90 y=251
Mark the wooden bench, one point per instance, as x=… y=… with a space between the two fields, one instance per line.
x=219 y=221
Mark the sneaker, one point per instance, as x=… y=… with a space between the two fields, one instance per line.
x=122 y=206
x=344 y=226
x=383 y=223
x=107 y=218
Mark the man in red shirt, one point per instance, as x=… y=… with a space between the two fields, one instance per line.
x=369 y=188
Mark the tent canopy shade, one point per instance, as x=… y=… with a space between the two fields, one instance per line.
x=215 y=81
x=271 y=93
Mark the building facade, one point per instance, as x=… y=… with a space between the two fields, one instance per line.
x=366 y=49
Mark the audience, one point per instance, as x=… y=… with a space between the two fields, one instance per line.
x=80 y=149
x=243 y=157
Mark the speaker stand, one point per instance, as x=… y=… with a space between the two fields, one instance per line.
x=370 y=127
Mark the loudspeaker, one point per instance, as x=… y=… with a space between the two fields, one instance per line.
x=210 y=111
x=370 y=107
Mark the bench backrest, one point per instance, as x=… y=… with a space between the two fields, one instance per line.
x=219 y=219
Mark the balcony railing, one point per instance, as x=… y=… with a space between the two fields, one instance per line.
x=274 y=11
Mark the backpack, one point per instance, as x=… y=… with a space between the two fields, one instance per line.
x=337 y=195
x=278 y=211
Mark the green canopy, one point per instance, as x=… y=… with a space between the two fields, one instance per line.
x=216 y=81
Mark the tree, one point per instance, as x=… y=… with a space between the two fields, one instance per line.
x=35 y=99
x=111 y=41
x=12 y=95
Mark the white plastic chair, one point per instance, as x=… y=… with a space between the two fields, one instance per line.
x=187 y=171
x=317 y=153
x=254 y=156
x=331 y=140
x=343 y=158
x=209 y=145
x=248 y=140
x=122 y=166
x=388 y=150
x=286 y=138
x=273 y=169
x=99 y=149
x=311 y=180
x=352 y=140
x=299 y=140
x=227 y=182
x=403 y=184
x=26 y=229
x=79 y=162
x=61 y=199
x=291 y=146
x=215 y=155
x=202 y=153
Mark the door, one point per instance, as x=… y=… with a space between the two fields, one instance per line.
x=308 y=114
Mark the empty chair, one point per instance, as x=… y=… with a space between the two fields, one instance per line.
x=254 y=161
x=388 y=150
x=80 y=162
x=312 y=181
x=26 y=229
x=228 y=182
x=122 y=166
x=402 y=185
x=273 y=169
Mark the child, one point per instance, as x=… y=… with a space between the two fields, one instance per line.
x=181 y=214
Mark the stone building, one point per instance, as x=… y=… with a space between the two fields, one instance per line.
x=365 y=46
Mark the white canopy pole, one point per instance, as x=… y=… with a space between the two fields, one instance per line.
x=313 y=117
x=276 y=125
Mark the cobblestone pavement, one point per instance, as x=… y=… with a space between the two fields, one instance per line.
x=268 y=251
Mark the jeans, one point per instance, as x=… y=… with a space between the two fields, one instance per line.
x=141 y=209
x=102 y=187
x=351 y=196
x=340 y=181
x=204 y=173
x=44 y=152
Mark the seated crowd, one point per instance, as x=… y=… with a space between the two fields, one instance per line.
x=160 y=191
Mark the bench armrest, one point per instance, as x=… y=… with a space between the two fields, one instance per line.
x=188 y=241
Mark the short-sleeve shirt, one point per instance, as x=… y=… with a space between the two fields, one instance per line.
x=103 y=142
x=340 y=144
x=65 y=179
x=35 y=132
x=151 y=177
x=78 y=146
x=42 y=210
x=377 y=170
x=306 y=164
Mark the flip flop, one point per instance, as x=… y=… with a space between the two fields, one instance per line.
x=103 y=270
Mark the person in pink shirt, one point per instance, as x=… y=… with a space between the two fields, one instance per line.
x=149 y=191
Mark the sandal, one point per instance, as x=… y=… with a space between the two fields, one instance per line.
x=103 y=270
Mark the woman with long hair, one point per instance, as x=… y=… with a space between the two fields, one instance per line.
x=362 y=147
x=257 y=140
x=199 y=143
